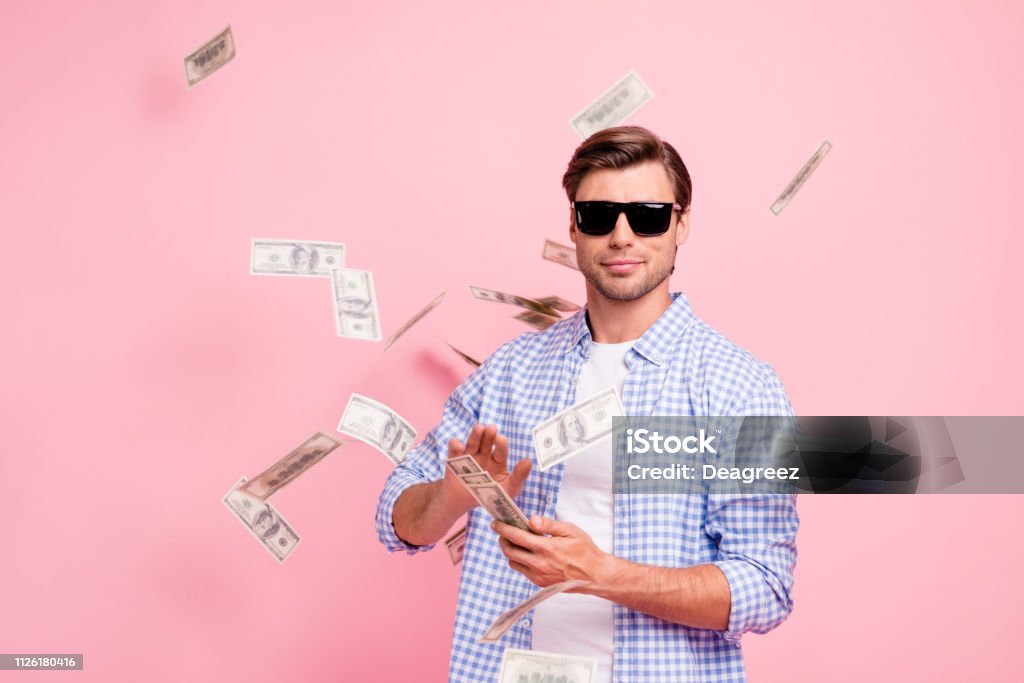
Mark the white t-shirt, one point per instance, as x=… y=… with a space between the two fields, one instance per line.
x=573 y=623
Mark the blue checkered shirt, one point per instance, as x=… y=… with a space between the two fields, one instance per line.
x=680 y=366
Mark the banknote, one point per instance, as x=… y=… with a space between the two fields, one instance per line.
x=614 y=106
x=374 y=423
x=413 y=320
x=463 y=465
x=514 y=299
x=559 y=304
x=466 y=357
x=575 y=428
x=560 y=253
x=355 y=304
x=287 y=469
x=493 y=498
x=263 y=522
x=534 y=666
x=295 y=257
x=503 y=623
x=537 y=320
x=457 y=545
x=801 y=177
x=210 y=57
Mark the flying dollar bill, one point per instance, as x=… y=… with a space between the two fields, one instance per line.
x=801 y=177
x=355 y=304
x=575 y=428
x=456 y=544
x=560 y=253
x=559 y=304
x=526 y=666
x=264 y=522
x=293 y=257
x=469 y=359
x=413 y=320
x=374 y=423
x=614 y=106
x=537 y=320
x=210 y=57
x=514 y=299
x=503 y=623
x=287 y=469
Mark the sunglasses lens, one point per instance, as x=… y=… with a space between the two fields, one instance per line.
x=596 y=218
x=649 y=219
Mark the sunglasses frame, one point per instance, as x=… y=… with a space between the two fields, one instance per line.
x=625 y=207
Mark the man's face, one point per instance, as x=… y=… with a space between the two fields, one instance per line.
x=621 y=265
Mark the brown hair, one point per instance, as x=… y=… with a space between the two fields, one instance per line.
x=622 y=147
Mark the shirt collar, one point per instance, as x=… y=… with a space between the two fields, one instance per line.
x=656 y=343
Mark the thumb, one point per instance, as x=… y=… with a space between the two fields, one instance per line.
x=518 y=477
x=553 y=527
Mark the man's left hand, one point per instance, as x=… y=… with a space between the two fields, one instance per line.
x=568 y=553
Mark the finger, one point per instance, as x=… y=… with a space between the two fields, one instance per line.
x=473 y=441
x=501 y=450
x=553 y=527
x=455 y=448
x=521 y=568
x=518 y=477
x=517 y=536
x=514 y=552
x=486 y=443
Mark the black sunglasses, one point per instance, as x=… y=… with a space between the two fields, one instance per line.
x=645 y=218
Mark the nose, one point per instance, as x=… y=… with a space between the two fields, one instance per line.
x=622 y=235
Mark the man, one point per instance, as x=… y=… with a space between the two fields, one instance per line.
x=674 y=580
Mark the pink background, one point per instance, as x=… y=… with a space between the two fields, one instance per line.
x=144 y=370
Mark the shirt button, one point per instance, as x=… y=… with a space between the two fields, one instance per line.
x=656 y=357
x=551 y=499
x=573 y=381
x=526 y=623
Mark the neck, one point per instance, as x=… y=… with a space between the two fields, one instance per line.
x=613 y=322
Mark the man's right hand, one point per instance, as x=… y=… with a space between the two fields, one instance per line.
x=490 y=450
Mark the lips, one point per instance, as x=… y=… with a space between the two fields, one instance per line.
x=618 y=265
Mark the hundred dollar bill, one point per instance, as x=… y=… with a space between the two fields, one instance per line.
x=519 y=666
x=503 y=623
x=493 y=498
x=263 y=522
x=559 y=304
x=537 y=320
x=469 y=359
x=614 y=106
x=376 y=424
x=560 y=253
x=801 y=177
x=355 y=304
x=413 y=320
x=293 y=257
x=287 y=469
x=210 y=57
x=514 y=299
x=575 y=428
x=463 y=465
x=457 y=545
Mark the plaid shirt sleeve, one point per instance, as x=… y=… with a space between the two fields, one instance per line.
x=425 y=462
x=756 y=536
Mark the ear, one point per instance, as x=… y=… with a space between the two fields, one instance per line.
x=572 y=226
x=683 y=227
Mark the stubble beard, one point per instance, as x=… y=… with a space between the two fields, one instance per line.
x=626 y=287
